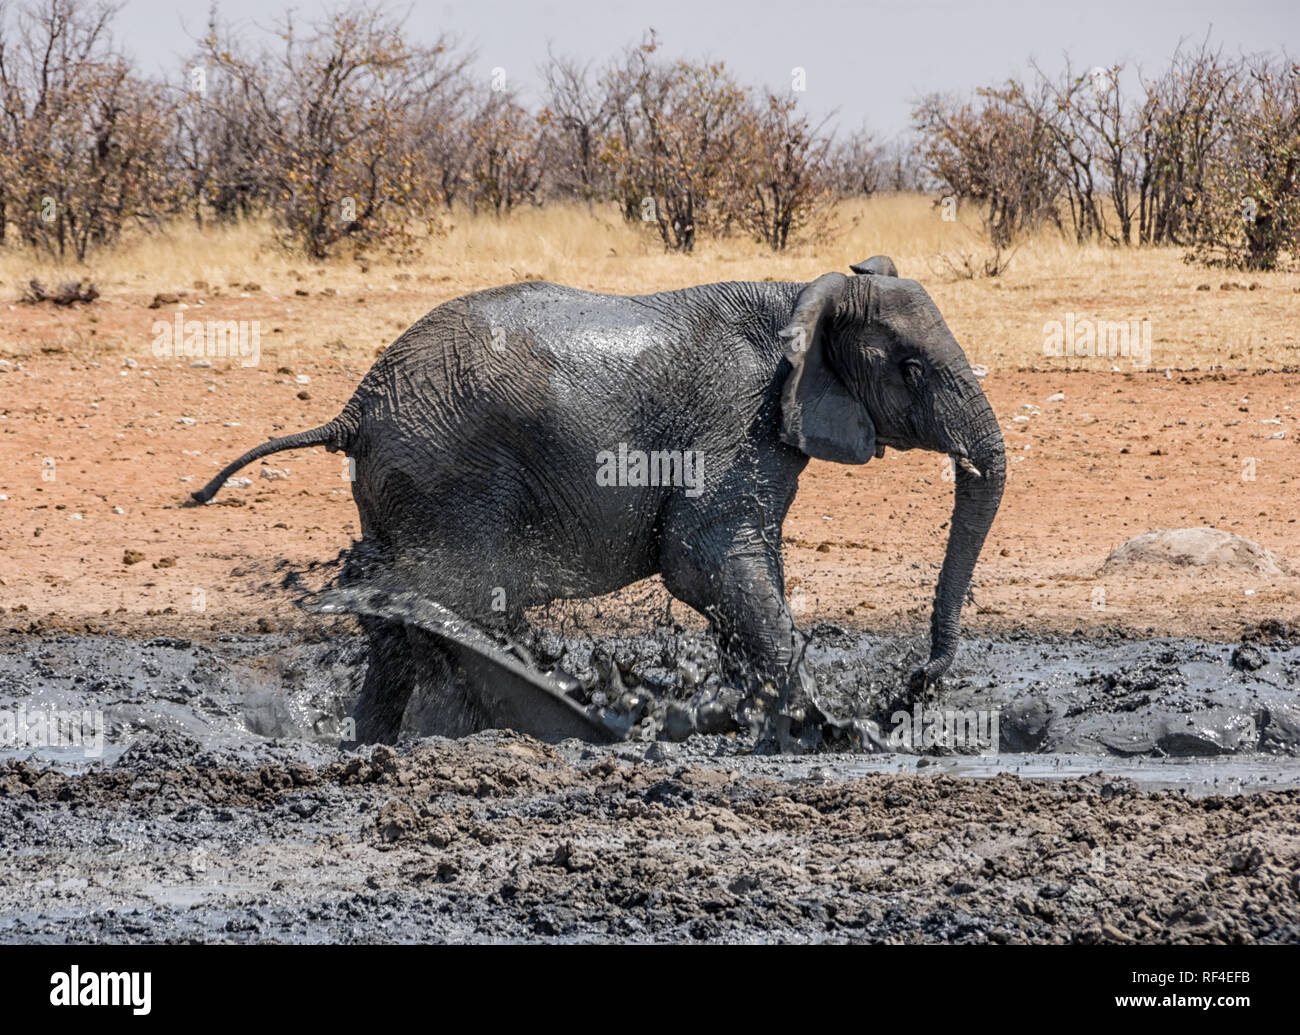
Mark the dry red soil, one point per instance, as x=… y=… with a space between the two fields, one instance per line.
x=96 y=459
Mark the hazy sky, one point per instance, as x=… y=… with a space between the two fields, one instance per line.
x=868 y=60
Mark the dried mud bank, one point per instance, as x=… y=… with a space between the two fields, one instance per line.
x=499 y=837
x=220 y=809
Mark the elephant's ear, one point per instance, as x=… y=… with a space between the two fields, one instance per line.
x=877 y=265
x=819 y=415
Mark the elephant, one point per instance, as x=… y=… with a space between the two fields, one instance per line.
x=534 y=442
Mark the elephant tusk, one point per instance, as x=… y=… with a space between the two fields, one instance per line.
x=965 y=464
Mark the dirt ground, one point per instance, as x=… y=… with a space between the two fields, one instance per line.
x=96 y=460
x=499 y=837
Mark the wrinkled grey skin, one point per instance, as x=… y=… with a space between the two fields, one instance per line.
x=476 y=434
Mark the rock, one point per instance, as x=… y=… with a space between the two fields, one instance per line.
x=1195 y=547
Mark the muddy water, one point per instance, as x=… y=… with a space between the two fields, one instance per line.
x=219 y=808
x=1208 y=717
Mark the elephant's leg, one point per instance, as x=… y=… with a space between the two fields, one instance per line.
x=390 y=678
x=740 y=592
x=446 y=705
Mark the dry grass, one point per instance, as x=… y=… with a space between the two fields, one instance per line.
x=999 y=320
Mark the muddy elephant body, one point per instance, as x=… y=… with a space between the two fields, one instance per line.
x=535 y=442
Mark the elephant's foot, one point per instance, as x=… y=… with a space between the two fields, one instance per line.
x=389 y=680
x=372 y=730
x=797 y=722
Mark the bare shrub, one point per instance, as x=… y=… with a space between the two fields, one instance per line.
x=997 y=153
x=82 y=134
x=337 y=109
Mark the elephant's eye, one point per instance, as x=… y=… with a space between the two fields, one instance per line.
x=913 y=373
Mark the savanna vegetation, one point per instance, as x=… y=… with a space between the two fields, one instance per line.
x=349 y=138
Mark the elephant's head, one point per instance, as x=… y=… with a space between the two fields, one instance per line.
x=874 y=365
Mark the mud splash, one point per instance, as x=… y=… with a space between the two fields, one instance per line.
x=1028 y=696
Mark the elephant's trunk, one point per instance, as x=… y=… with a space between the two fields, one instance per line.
x=978 y=493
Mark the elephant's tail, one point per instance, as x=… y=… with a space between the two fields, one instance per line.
x=333 y=436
